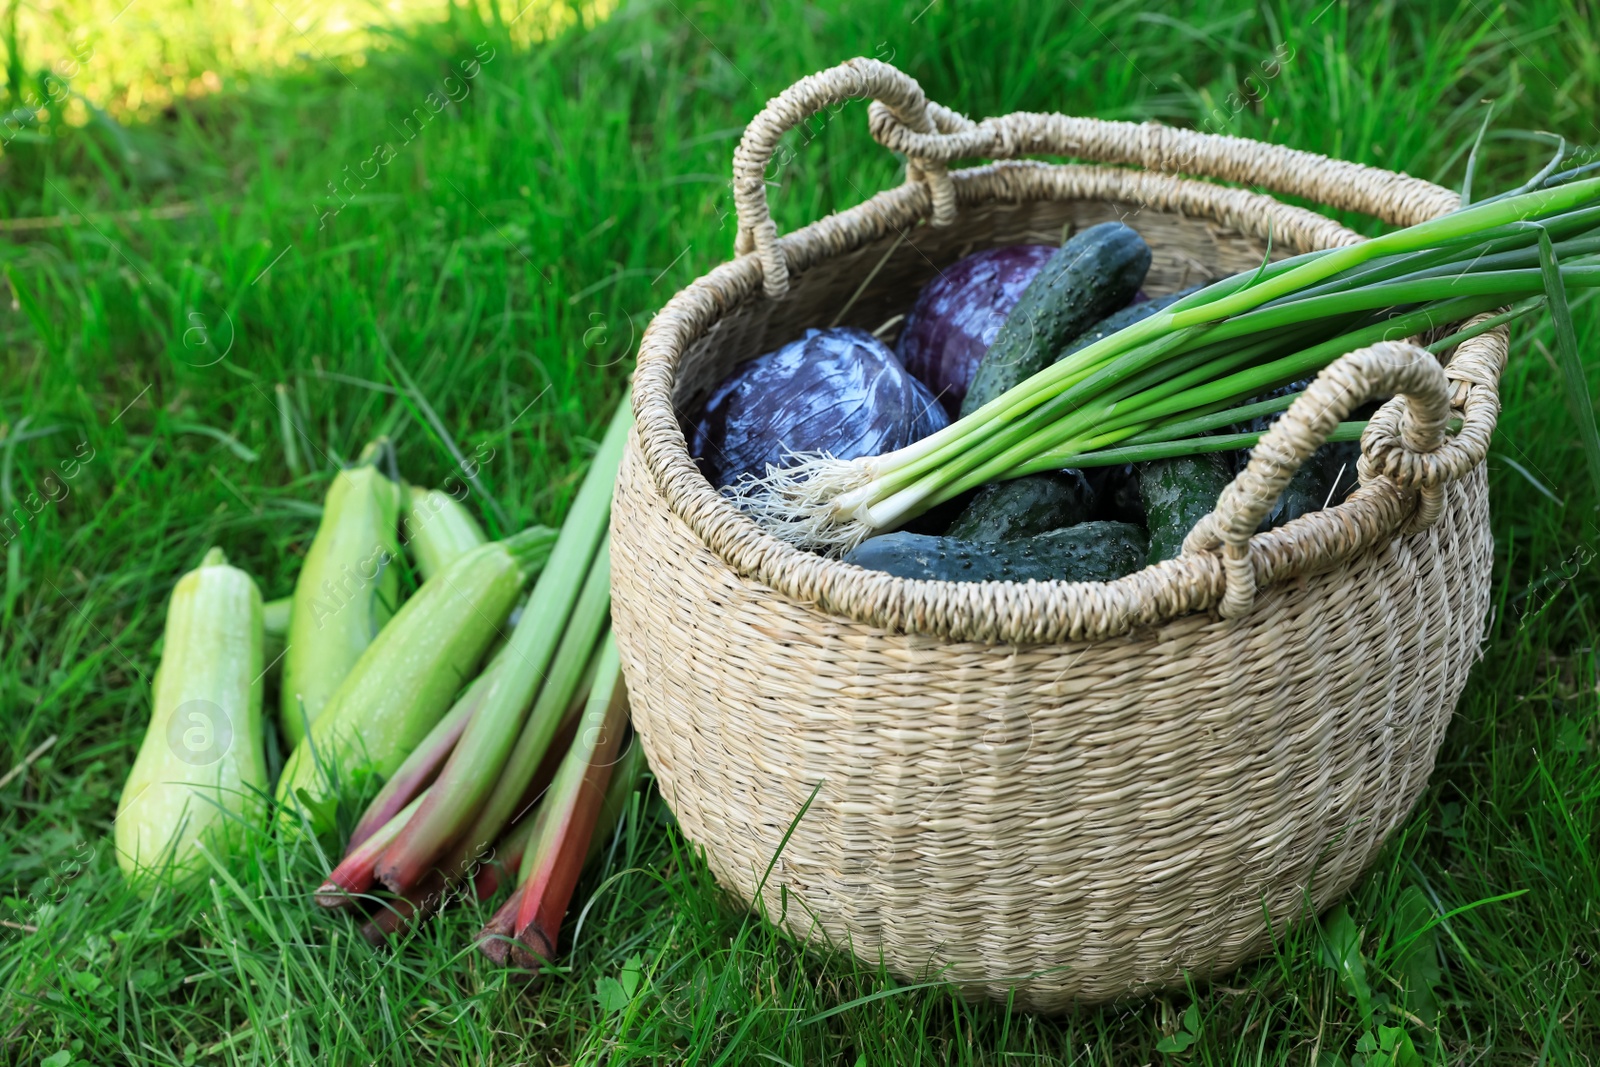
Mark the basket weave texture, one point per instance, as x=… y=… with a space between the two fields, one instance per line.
x=1061 y=791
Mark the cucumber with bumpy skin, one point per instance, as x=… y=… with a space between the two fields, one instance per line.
x=1039 y=502
x=1339 y=459
x=1178 y=493
x=1035 y=504
x=1305 y=493
x=1121 y=320
x=1093 y=274
x=1314 y=485
x=1116 y=494
x=1088 y=552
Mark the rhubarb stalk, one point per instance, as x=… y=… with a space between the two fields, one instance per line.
x=571 y=808
x=422 y=766
x=486 y=744
x=495 y=939
x=572 y=672
x=355 y=873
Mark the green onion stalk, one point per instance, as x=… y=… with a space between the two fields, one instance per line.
x=1157 y=387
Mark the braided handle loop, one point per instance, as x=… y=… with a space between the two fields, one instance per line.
x=1415 y=427
x=894 y=91
x=931 y=136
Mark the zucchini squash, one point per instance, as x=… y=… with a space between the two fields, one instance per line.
x=200 y=778
x=346 y=590
x=408 y=678
x=438 y=530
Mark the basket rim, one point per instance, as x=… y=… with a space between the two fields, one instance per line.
x=1032 y=612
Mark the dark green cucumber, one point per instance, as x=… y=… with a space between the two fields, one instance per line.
x=1178 y=493
x=1116 y=494
x=1088 y=552
x=1023 y=507
x=1340 y=459
x=1305 y=493
x=1093 y=274
x=1314 y=485
x=1121 y=320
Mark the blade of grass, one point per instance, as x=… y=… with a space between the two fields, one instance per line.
x=1579 y=402
x=1472 y=157
x=574 y=667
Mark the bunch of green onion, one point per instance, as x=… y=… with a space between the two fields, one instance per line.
x=1158 y=387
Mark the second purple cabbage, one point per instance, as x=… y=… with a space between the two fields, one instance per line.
x=958 y=314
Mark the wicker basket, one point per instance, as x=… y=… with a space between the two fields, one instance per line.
x=1067 y=790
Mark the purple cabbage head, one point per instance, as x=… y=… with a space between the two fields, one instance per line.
x=958 y=314
x=839 y=390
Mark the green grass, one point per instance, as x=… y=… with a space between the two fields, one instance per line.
x=508 y=256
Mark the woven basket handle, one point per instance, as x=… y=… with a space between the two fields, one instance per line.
x=931 y=136
x=856 y=79
x=1416 y=427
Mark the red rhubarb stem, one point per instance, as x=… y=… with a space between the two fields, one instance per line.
x=511 y=800
x=480 y=757
x=570 y=809
x=422 y=766
x=625 y=778
x=401 y=913
x=494 y=940
x=357 y=872
x=502 y=869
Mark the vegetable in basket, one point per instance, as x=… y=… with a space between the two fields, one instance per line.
x=200 y=778
x=1155 y=388
x=958 y=314
x=1005 y=511
x=1094 y=273
x=838 y=389
x=1121 y=320
x=1087 y=552
x=1019 y=507
x=1176 y=494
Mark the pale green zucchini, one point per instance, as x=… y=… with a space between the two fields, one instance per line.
x=275 y=629
x=438 y=529
x=346 y=590
x=406 y=679
x=200 y=777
